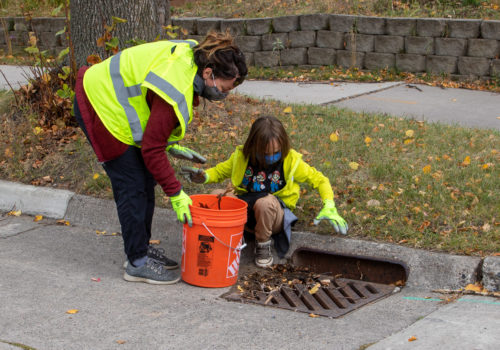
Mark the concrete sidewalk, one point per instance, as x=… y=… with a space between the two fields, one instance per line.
x=421 y=102
x=48 y=269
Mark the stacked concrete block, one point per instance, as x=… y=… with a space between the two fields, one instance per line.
x=258 y=26
x=419 y=45
x=431 y=27
x=490 y=30
x=235 y=26
x=376 y=60
x=389 y=44
x=495 y=68
x=205 y=25
x=483 y=48
x=359 y=42
x=294 y=57
x=350 y=59
x=463 y=28
x=266 y=58
x=441 y=64
x=450 y=47
x=342 y=23
x=186 y=23
x=321 y=56
x=275 y=41
x=330 y=39
x=410 y=63
x=314 y=22
x=248 y=43
x=475 y=66
x=401 y=26
x=302 y=39
x=285 y=24
x=370 y=25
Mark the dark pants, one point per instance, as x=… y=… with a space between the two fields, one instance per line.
x=133 y=191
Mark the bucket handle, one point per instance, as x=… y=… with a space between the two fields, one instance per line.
x=224 y=244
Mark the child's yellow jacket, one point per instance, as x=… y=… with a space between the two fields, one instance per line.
x=296 y=171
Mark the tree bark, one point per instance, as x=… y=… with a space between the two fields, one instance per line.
x=145 y=20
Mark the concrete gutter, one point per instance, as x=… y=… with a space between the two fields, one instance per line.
x=427 y=270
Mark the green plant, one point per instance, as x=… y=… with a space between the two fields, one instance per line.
x=277 y=47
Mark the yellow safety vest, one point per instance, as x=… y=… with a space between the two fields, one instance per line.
x=117 y=87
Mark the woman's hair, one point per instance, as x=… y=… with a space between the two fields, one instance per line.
x=218 y=51
x=263 y=131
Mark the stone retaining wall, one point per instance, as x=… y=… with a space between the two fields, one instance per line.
x=469 y=48
x=45 y=28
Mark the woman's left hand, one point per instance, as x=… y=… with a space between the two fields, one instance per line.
x=180 y=152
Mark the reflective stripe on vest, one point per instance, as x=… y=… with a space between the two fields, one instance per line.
x=123 y=93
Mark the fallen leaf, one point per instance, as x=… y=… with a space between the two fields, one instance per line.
x=314 y=289
x=409 y=133
x=37 y=130
x=62 y=222
x=402 y=241
x=72 y=311
x=466 y=161
x=373 y=203
x=334 y=137
x=14 y=213
x=313 y=315
x=486 y=227
x=38 y=218
x=94 y=279
x=368 y=140
x=287 y=110
x=426 y=169
x=96 y=176
x=353 y=165
x=121 y=341
x=240 y=289
x=154 y=241
x=412 y=338
x=474 y=287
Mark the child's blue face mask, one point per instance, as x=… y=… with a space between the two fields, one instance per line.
x=273 y=158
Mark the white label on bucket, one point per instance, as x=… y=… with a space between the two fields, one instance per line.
x=183 y=263
x=233 y=259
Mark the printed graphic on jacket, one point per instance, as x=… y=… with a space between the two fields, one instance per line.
x=268 y=180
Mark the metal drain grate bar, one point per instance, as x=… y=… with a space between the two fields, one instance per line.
x=337 y=299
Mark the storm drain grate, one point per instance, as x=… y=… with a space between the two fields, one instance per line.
x=340 y=297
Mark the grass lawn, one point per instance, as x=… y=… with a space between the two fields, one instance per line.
x=423 y=185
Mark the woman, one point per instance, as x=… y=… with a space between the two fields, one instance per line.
x=132 y=107
x=266 y=173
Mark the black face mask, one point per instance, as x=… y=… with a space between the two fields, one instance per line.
x=211 y=93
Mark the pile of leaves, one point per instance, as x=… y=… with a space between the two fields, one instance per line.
x=278 y=276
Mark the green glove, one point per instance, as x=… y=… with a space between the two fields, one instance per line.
x=329 y=212
x=180 y=152
x=181 y=204
x=194 y=174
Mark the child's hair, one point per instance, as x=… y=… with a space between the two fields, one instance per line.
x=218 y=51
x=263 y=131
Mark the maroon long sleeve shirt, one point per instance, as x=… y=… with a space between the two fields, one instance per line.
x=162 y=121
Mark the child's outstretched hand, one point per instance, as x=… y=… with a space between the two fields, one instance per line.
x=194 y=174
x=329 y=212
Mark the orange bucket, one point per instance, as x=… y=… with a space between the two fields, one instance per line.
x=211 y=248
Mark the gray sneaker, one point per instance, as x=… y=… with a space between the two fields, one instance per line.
x=263 y=256
x=151 y=272
x=159 y=255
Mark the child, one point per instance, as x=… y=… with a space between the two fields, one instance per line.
x=265 y=173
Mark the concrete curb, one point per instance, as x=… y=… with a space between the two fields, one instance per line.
x=427 y=269
x=34 y=200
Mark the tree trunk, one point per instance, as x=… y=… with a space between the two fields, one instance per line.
x=145 y=19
